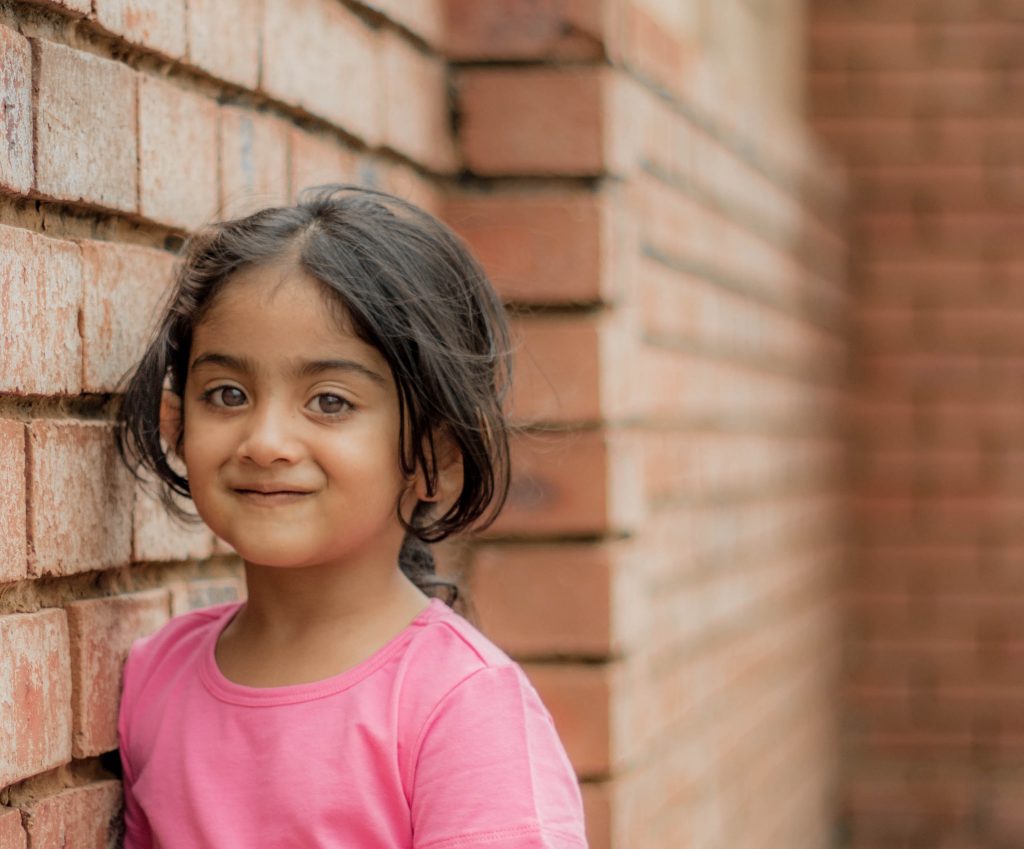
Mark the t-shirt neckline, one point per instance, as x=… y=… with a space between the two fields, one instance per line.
x=227 y=690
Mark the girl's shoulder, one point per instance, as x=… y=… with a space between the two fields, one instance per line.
x=181 y=633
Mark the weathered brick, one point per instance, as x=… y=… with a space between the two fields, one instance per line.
x=154 y=24
x=177 y=155
x=82 y=7
x=124 y=284
x=223 y=40
x=536 y=247
x=101 y=631
x=425 y=18
x=319 y=56
x=16 y=115
x=582 y=701
x=12 y=835
x=581 y=482
x=544 y=121
x=156 y=535
x=524 y=29
x=319 y=159
x=40 y=292
x=87 y=816
x=549 y=600
x=253 y=161
x=194 y=595
x=415 y=104
x=85 y=112
x=408 y=183
x=13 y=551
x=79 y=497
x=35 y=689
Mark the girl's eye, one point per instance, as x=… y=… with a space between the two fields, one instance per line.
x=330 y=404
x=229 y=396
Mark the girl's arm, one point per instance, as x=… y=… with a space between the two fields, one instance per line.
x=491 y=770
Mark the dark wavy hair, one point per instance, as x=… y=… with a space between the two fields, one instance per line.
x=410 y=288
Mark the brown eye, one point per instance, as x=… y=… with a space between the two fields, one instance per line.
x=230 y=396
x=330 y=404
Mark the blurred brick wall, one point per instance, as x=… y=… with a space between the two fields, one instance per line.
x=923 y=100
x=638 y=181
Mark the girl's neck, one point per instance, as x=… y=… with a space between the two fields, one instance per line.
x=286 y=605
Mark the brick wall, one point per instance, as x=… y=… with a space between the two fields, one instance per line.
x=637 y=180
x=923 y=102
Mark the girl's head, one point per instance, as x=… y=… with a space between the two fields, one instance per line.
x=346 y=353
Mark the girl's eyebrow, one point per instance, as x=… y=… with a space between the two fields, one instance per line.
x=303 y=368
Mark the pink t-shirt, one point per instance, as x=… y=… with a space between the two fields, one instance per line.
x=436 y=741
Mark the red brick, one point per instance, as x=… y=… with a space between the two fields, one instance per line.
x=16 y=116
x=549 y=386
x=13 y=551
x=415 y=119
x=425 y=18
x=40 y=292
x=583 y=482
x=549 y=600
x=194 y=595
x=154 y=24
x=35 y=689
x=12 y=835
x=102 y=630
x=524 y=29
x=177 y=155
x=156 y=535
x=253 y=161
x=87 y=817
x=124 y=285
x=79 y=497
x=408 y=183
x=85 y=115
x=320 y=57
x=318 y=159
x=82 y=7
x=538 y=121
x=537 y=247
x=223 y=40
x=583 y=703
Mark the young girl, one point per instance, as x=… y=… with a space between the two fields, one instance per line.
x=329 y=377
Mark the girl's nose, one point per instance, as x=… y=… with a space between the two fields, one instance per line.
x=270 y=437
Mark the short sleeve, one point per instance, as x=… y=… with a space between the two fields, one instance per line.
x=491 y=771
x=137 y=833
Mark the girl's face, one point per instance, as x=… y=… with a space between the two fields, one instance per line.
x=291 y=428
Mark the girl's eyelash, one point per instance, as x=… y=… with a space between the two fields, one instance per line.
x=207 y=397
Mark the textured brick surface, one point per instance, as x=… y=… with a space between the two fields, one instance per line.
x=12 y=835
x=343 y=85
x=319 y=159
x=16 y=116
x=537 y=247
x=177 y=155
x=253 y=161
x=13 y=552
x=79 y=499
x=101 y=631
x=425 y=18
x=584 y=482
x=416 y=120
x=124 y=285
x=156 y=535
x=35 y=687
x=194 y=595
x=551 y=600
x=537 y=122
x=40 y=292
x=235 y=59
x=84 y=105
x=524 y=29
x=154 y=24
x=87 y=816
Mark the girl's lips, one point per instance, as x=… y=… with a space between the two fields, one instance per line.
x=270 y=499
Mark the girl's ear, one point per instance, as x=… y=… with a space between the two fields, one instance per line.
x=170 y=419
x=449 y=475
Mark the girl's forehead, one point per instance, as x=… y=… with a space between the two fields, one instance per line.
x=273 y=311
